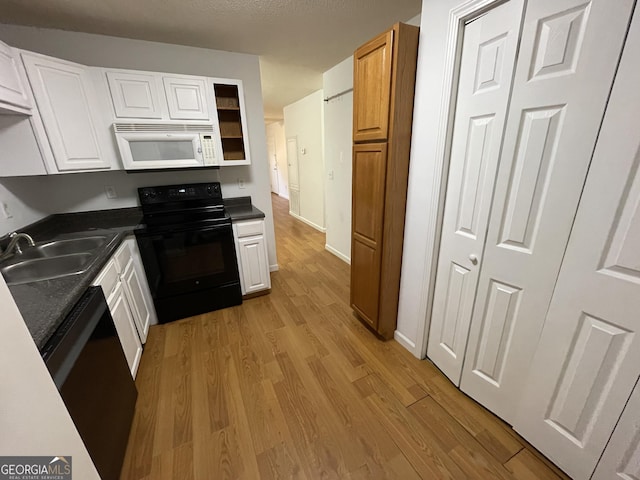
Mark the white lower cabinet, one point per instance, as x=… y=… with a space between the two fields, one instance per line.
x=125 y=287
x=251 y=248
x=123 y=319
x=134 y=284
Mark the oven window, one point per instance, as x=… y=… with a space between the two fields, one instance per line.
x=180 y=261
x=163 y=150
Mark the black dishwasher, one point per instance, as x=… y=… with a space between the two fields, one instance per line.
x=88 y=366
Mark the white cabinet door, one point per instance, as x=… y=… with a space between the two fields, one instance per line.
x=140 y=309
x=621 y=458
x=126 y=328
x=186 y=98
x=251 y=249
x=569 y=51
x=135 y=95
x=253 y=259
x=13 y=95
x=588 y=357
x=65 y=100
x=488 y=56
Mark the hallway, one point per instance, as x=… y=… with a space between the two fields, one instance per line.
x=292 y=385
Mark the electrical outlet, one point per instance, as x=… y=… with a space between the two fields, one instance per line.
x=330 y=174
x=6 y=213
x=110 y=190
x=241 y=183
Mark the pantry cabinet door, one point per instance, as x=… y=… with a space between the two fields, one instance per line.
x=186 y=97
x=568 y=55
x=65 y=99
x=135 y=95
x=372 y=88
x=588 y=357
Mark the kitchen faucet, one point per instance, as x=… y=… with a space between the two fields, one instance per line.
x=13 y=246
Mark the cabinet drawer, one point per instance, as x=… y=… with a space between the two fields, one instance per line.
x=122 y=256
x=247 y=229
x=108 y=278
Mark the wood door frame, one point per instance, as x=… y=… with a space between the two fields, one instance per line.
x=458 y=18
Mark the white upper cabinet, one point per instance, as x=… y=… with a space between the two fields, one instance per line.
x=13 y=91
x=135 y=94
x=186 y=97
x=65 y=99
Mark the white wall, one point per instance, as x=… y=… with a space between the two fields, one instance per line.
x=304 y=120
x=14 y=202
x=424 y=178
x=338 y=139
x=73 y=191
x=33 y=418
x=275 y=130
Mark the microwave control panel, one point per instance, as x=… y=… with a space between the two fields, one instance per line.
x=208 y=149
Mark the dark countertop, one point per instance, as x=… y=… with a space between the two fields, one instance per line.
x=45 y=304
x=241 y=208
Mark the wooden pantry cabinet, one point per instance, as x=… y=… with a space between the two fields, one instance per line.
x=384 y=81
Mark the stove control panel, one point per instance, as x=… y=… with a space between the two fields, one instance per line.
x=186 y=192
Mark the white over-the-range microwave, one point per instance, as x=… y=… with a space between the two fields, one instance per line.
x=154 y=146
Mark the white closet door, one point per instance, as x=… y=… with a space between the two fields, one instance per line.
x=621 y=458
x=566 y=64
x=488 y=55
x=588 y=358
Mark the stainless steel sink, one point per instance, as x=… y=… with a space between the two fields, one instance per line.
x=54 y=259
x=38 y=269
x=72 y=245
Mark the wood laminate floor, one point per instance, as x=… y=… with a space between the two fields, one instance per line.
x=292 y=385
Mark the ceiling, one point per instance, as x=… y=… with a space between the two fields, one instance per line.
x=297 y=40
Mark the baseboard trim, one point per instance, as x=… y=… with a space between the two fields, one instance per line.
x=308 y=222
x=274 y=267
x=406 y=343
x=338 y=254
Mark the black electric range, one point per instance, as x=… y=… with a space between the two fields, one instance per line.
x=187 y=249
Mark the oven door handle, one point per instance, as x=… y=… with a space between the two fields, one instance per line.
x=164 y=231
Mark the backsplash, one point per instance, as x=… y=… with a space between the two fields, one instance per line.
x=28 y=199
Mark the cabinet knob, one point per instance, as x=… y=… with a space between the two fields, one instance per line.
x=474 y=258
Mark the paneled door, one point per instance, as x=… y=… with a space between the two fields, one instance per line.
x=12 y=89
x=488 y=56
x=186 y=98
x=294 y=180
x=66 y=102
x=588 y=357
x=135 y=95
x=372 y=88
x=564 y=73
x=368 y=181
x=621 y=458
